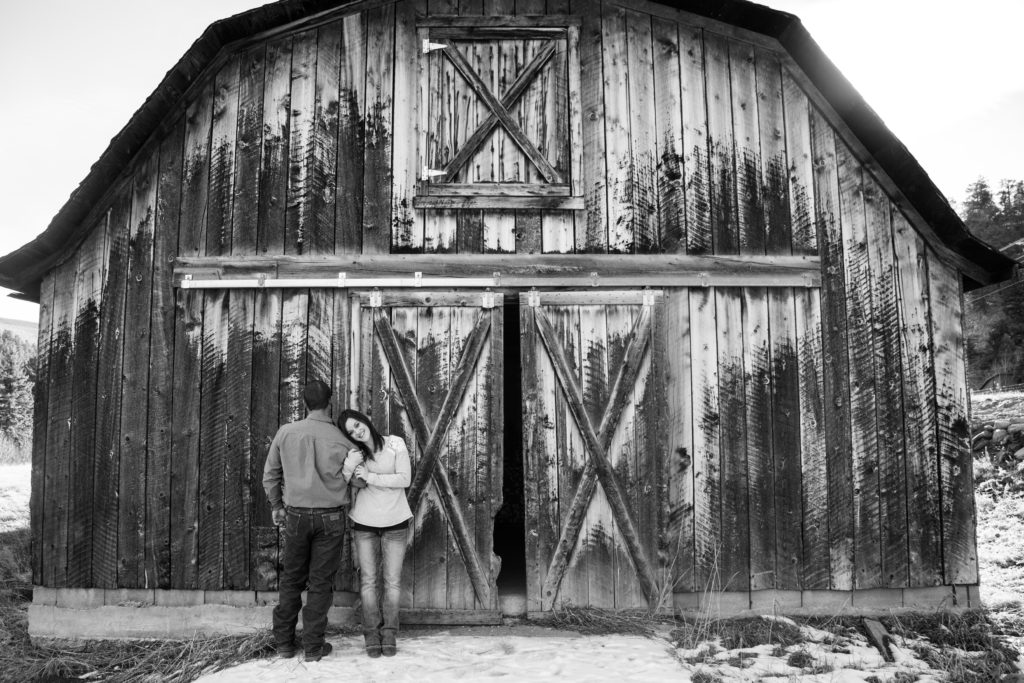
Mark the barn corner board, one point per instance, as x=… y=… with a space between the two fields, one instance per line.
x=661 y=313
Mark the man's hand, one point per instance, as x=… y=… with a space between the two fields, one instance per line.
x=279 y=516
x=358 y=482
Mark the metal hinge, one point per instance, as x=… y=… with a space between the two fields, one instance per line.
x=376 y=299
x=703 y=278
x=342 y=282
x=426 y=173
x=648 y=297
x=533 y=298
x=430 y=47
x=487 y=299
x=186 y=281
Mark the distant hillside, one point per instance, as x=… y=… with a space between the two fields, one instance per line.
x=26 y=329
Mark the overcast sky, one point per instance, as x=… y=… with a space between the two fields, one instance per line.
x=943 y=75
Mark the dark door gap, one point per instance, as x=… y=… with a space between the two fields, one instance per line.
x=510 y=522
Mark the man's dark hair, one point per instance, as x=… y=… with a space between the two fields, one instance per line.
x=317 y=395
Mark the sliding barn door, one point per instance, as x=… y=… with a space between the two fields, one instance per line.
x=593 y=448
x=430 y=372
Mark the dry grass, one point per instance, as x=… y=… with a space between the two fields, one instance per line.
x=593 y=621
x=969 y=646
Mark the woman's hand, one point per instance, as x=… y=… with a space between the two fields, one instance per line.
x=360 y=472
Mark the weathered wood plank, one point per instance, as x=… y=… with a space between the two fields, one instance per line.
x=248 y=151
x=541 y=530
x=592 y=233
x=40 y=422
x=885 y=323
x=799 y=155
x=159 y=502
x=757 y=372
x=734 y=560
x=185 y=438
x=959 y=547
x=707 y=465
x=597 y=534
x=294 y=323
x=786 y=422
x=539 y=270
x=458 y=457
x=563 y=131
x=323 y=161
x=834 y=336
x=678 y=372
x=88 y=292
x=621 y=220
x=499 y=226
x=57 y=485
x=777 y=215
x=238 y=392
x=432 y=383
x=348 y=236
x=721 y=145
x=195 y=173
x=223 y=135
x=341 y=381
x=669 y=136
x=652 y=449
x=696 y=145
x=263 y=423
x=378 y=120
x=108 y=394
x=864 y=423
x=813 y=468
x=273 y=190
x=300 y=191
x=131 y=499
x=744 y=88
x=490 y=447
x=924 y=530
x=406 y=223
x=213 y=441
x=643 y=144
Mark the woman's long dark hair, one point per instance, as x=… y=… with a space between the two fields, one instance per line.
x=378 y=440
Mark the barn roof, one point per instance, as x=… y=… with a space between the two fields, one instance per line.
x=23 y=269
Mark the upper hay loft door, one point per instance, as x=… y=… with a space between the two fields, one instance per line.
x=499 y=127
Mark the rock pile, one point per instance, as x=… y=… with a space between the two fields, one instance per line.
x=1001 y=440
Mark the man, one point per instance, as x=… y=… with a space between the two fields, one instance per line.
x=307 y=492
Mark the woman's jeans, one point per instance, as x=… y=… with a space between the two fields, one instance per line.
x=380 y=552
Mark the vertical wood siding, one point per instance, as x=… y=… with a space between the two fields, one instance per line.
x=813 y=437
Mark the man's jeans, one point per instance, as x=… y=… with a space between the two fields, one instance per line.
x=384 y=550
x=312 y=553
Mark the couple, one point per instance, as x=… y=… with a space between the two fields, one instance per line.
x=309 y=469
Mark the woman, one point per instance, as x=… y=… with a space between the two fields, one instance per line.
x=381 y=469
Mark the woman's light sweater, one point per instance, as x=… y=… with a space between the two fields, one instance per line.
x=382 y=503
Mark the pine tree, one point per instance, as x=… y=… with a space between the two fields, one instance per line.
x=17 y=364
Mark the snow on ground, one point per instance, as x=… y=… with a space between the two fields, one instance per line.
x=15 y=484
x=469 y=654
x=444 y=655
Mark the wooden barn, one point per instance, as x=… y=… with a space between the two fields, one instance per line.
x=667 y=313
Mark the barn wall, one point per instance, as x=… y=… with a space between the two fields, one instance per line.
x=156 y=406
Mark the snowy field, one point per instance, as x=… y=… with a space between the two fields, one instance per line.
x=15 y=485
